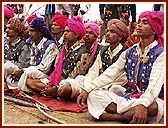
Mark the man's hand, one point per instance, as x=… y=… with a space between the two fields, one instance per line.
x=140 y=116
x=133 y=39
x=49 y=90
x=81 y=99
x=17 y=74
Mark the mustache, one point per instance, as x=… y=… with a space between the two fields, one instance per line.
x=86 y=37
x=107 y=37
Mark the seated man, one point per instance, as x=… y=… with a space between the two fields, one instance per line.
x=72 y=61
x=16 y=50
x=43 y=52
x=144 y=65
x=116 y=35
x=68 y=87
x=57 y=28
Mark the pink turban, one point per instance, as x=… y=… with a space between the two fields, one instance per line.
x=8 y=11
x=60 y=19
x=76 y=25
x=119 y=27
x=94 y=27
x=156 y=21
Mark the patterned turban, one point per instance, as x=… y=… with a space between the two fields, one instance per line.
x=39 y=25
x=8 y=11
x=76 y=25
x=156 y=21
x=59 y=19
x=17 y=26
x=119 y=27
x=94 y=27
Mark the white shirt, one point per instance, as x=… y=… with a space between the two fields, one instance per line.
x=94 y=70
x=50 y=54
x=155 y=82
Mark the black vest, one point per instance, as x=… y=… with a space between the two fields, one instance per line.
x=106 y=62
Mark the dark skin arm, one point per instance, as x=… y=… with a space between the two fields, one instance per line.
x=17 y=74
x=140 y=116
x=81 y=99
x=49 y=90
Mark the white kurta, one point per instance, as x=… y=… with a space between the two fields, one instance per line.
x=37 y=71
x=99 y=100
x=81 y=81
x=9 y=68
x=80 y=68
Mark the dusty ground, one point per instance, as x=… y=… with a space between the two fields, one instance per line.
x=15 y=114
x=20 y=115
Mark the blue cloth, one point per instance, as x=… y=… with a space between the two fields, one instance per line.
x=40 y=26
x=144 y=68
x=39 y=56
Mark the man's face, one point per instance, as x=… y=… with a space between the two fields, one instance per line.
x=10 y=32
x=34 y=35
x=55 y=29
x=111 y=35
x=69 y=36
x=89 y=36
x=143 y=28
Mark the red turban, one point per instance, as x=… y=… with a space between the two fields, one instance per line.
x=8 y=11
x=60 y=19
x=76 y=25
x=119 y=27
x=94 y=27
x=156 y=21
x=30 y=18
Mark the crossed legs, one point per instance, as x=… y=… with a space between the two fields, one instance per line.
x=127 y=116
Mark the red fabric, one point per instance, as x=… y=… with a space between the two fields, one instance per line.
x=131 y=84
x=60 y=20
x=30 y=18
x=54 y=104
x=141 y=85
x=14 y=91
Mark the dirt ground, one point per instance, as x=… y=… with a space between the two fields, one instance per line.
x=20 y=115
